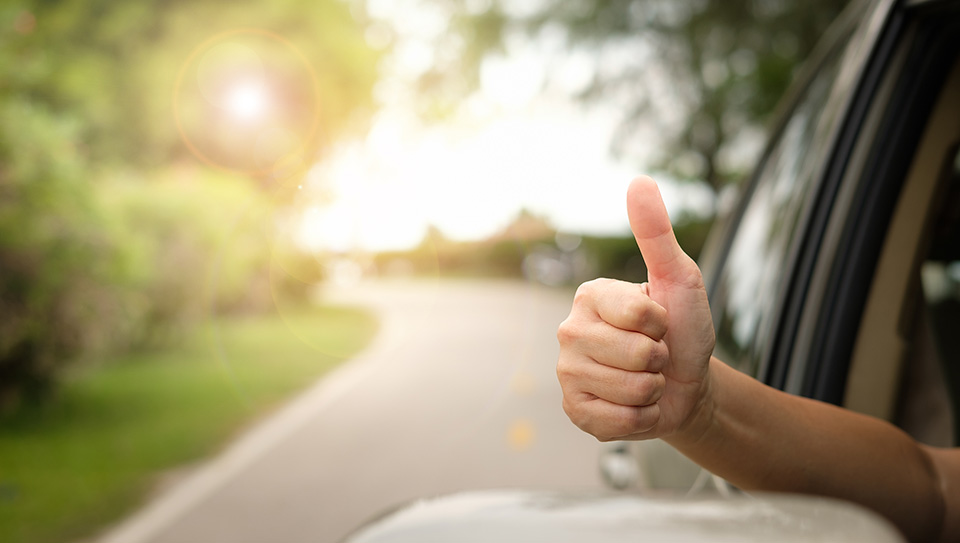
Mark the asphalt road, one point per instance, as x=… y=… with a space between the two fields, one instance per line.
x=457 y=392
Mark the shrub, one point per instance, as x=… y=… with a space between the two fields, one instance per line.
x=202 y=242
x=58 y=263
x=94 y=262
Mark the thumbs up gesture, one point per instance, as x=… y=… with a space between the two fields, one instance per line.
x=634 y=358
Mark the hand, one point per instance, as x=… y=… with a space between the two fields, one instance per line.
x=634 y=358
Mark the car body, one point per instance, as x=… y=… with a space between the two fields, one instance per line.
x=836 y=276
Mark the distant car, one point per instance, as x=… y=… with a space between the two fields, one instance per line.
x=836 y=276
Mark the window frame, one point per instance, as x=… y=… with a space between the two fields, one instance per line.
x=869 y=20
x=877 y=183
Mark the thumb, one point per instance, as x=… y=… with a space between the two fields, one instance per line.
x=654 y=234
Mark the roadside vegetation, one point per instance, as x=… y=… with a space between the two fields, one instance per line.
x=532 y=249
x=153 y=298
x=92 y=453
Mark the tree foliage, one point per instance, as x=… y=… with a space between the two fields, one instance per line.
x=61 y=271
x=706 y=73
x=112 y=65
x=112 y=233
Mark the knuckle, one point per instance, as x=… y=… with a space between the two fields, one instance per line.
x=572 y=411
x=647 y=387
x=640 y=312
x=575 y=413
x=567 y=332
x=638 y=352
x=654 y=320
x=590 y=290
x=659 y=356
x=584 y=291
x=580 y=416
x=565 y=371
x=636 y=310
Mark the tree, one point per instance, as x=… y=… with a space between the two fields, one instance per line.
x=61 y=274
x=113 y=65
x=102 y=234
x=708 y=73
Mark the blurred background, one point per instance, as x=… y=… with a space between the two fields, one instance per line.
x=206 y=206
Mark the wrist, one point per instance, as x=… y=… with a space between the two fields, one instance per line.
x=698 y=425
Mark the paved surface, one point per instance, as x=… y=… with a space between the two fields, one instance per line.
x=457 y=392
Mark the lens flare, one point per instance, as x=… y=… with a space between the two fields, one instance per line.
x=247 y=101
x=521 y=434
x=223 y=68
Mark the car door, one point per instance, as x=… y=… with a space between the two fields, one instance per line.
x=862 y=316
x=800 y=273
x=751 y=261
x=819 y=287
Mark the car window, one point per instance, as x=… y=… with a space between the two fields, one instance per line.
x=748 y=284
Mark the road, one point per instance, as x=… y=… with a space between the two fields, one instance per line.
x=457 y=392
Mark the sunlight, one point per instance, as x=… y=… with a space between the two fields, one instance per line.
x=468 y=178
x=247 y=101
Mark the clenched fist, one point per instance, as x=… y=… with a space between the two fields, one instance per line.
x=634 y=358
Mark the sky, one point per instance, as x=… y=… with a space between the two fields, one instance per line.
x=515 y=144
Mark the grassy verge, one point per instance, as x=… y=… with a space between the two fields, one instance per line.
x=93 y=453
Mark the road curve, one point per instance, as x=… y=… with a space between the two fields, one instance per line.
x=457 y=392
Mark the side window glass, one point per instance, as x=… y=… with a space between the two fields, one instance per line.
x=754 y=270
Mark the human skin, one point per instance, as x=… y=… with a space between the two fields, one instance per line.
x=636 y=363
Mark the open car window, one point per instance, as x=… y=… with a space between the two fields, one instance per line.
x=746 y=290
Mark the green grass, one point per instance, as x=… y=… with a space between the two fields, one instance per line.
x=92 y=454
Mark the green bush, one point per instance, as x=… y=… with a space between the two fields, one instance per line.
x=60 y=265
x=293 y=272
x=204 y=243
x=93 y=263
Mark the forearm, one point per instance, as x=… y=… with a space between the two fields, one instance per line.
x=759 y=438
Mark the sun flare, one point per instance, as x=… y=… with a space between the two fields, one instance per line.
x=247 y=101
